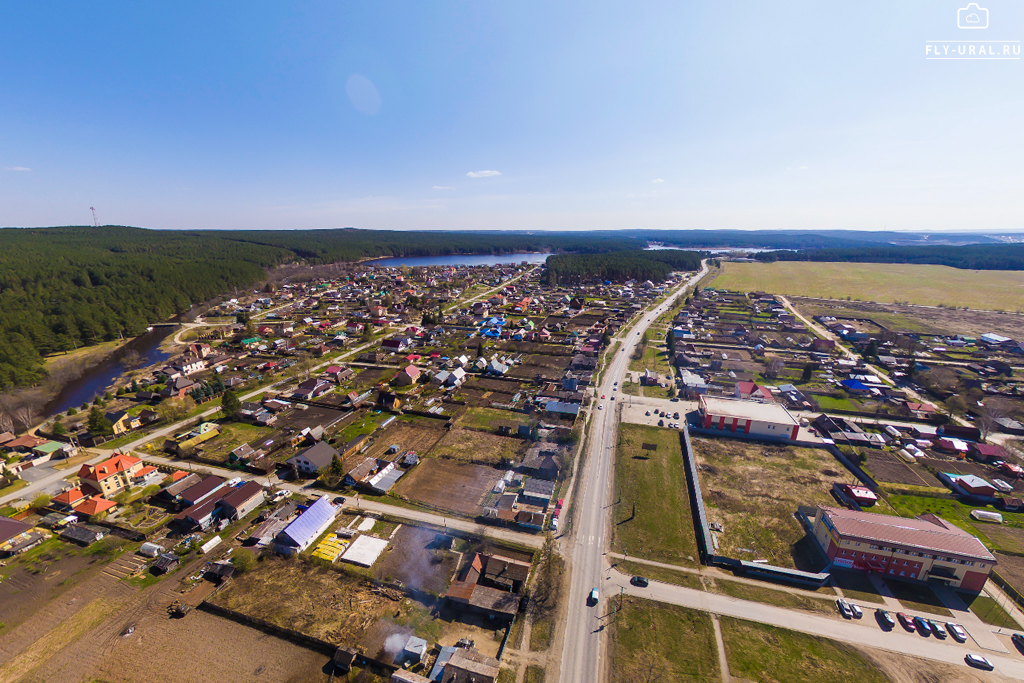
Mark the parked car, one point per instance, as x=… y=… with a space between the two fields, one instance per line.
x=648 y=413
x=923 y=627
x=340 y=500
x=885 y=618
x=937 y=629
x=906 y=622
x=978 y=662
x=661 y=423
x=844 y=608
x=561 y=502
x=1018 y=640
x=554 y=523
x=676 y=416
x=857 y=613
x=592 y=598
x=640 y=581
x=957 y=631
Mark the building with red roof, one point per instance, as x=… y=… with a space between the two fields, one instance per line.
x=926 y=548
x=110 y=476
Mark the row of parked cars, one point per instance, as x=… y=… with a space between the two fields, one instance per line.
x=923 y=626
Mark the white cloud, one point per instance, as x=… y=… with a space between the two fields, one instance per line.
x=796 y=168
x=363 y=94
x=443 y=187
x=658 y=180
x=482 y=174
x=17 y=168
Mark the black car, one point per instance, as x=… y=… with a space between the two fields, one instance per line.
x=1018 y=640
x=640 y=581
x=885 y=618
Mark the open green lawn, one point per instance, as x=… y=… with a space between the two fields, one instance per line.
x=488 y=419
x=990 y=611
x=233 y=435
x=766 y=653
x=655 y=482
x=883 y=282
x=675 y=641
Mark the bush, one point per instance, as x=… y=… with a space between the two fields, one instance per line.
x=243 y=560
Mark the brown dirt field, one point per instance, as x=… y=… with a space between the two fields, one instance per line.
x=28 y=585
x=1011 y=568
x=322 y=603
x=530 y=372
x=905 y=669
x=417 y=561
x=478 y=447
x=753 y=490
x=494 y=385
x=448 y=485
x=415 y=436
x=900 y=318
x=889 y=468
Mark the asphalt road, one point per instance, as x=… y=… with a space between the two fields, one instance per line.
x=584 y=648
x=864 y=631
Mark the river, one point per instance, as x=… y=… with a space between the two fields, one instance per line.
x=97 y=378
x=458 y=260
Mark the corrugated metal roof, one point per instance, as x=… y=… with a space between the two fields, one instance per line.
x=309 y=523
x=917 y=533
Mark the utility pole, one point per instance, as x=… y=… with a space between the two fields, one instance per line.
x=95 y=221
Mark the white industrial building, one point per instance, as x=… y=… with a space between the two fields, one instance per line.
x=750 y=418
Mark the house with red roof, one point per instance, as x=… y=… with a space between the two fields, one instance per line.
x=409 y=375
x=110 y=476
x=749 y=391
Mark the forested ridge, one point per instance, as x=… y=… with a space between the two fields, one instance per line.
x=971 y=257
x=617 y=266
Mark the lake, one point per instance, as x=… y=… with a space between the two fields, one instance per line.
x=98 y=378
x=458 y=260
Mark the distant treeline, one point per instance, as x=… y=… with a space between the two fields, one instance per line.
x=972 y=257
x=618 y=266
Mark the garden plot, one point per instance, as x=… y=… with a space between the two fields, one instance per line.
x=478 y=447
x=448 y=485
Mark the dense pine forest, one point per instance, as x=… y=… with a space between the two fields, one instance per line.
x=972 y=257
x=633 y=264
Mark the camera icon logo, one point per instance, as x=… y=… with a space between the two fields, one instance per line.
x=972 y=16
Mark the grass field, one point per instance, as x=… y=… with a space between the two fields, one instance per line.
x=753 y=489
x=655 y=481
x=1007 y=536
x=990 y=611
x=650 y=636
x=767 y=653
x=925 y=285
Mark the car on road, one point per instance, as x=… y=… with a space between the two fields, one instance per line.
x=561 y=502
x=844 y=608
x=674 y=400
x=640 y=581
x=906 y=622
x=957 y=631
x=923 y=627
x=937 y=630
x=554 y=523
x=613 y=398
x=857 y=612
x=592 y=598
x=885 y=618
x=600 y=407
x=602 y=396
x=1018 y=640
x=340 y=500
x=978 y=662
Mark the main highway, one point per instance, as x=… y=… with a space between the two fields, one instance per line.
x=584 y=647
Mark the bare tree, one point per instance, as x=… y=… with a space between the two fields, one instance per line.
x=647 y=667
x=775 y=368
x=987 y=418
x=26 y=415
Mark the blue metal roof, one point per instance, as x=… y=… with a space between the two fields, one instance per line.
x=442 y=659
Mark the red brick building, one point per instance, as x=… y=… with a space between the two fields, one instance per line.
x=923 y=549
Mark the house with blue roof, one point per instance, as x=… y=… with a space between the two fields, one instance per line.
x=306 y=528
x=855 y=386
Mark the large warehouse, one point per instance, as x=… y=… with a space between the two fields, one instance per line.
x=923 y=549
x=753 y=418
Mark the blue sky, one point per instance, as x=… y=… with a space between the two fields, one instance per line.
x=748 y=115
